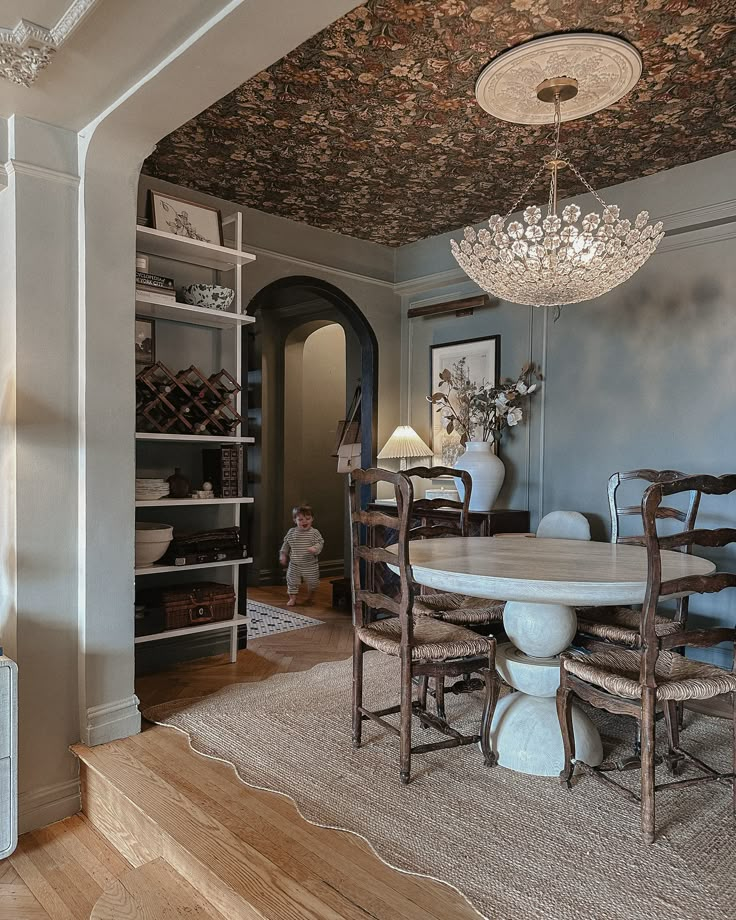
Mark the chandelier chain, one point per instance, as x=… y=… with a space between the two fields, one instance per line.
x=525 y=190
x=586 y=183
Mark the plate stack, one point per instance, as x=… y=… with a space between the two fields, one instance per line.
x=150 y=490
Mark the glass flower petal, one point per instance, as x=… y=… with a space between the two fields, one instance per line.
x=532 y=214
x=516 y=230
x=571 y=213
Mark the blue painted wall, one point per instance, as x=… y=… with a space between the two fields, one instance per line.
x=644 y=376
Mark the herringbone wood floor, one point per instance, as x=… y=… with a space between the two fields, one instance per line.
x=296 y=650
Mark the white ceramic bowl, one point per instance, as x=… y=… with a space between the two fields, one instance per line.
x=212 y=296
x=151 y=542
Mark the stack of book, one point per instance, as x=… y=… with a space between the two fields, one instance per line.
x=223 y=467
x=158 y=285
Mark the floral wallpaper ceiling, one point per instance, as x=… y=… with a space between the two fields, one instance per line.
x=371 y=128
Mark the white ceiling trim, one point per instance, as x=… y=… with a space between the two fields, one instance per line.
x=27 y=48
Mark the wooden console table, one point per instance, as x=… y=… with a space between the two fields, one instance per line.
x=482 y=523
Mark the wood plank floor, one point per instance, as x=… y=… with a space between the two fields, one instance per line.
x=60 y=872
x=336 y=869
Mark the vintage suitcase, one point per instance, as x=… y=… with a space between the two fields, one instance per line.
x=180 y=606
x=219 y=545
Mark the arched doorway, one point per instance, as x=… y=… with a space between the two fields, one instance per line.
x=286 y=309
x=315 y=383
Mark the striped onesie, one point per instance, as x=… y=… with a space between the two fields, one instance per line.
x=302 y=565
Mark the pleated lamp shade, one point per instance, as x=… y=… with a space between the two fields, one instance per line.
x=403 y=443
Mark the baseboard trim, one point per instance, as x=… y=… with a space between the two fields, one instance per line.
x=48 y=804
x=112 y=721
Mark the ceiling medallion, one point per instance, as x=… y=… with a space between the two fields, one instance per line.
x=605 y=67
x=552 y=259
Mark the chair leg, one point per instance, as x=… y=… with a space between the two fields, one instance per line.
x=406 y=714
x=672 y=719
x=358 y=650
x=564 y=714
x=422 y=691
x=490 y=759
x=439 y=696
x=647 y=764
x=733 y=766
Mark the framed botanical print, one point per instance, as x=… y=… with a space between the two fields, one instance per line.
x=470 y=361
x=145 y=341
x=185 y=218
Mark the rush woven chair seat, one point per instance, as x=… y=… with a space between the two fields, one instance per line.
x=460 y=609
x=620 y=625
x=427 y=648
x=634 y=681
x=617 y=670
x=433 y=639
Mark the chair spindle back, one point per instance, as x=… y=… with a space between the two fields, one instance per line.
x=684 y=540
x=651 y=476
x=365 y=599
x=424 y=508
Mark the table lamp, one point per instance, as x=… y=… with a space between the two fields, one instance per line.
x=403 y=443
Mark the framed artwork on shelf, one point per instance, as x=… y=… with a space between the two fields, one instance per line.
x=185 y=218
x=145 y=341
x=470 y=361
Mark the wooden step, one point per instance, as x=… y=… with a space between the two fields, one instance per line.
x=153 y=891
x=248 y=852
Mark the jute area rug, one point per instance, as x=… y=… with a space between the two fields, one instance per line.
x=518 y=847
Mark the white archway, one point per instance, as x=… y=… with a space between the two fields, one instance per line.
x=68 y=219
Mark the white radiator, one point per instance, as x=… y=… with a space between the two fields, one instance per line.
x=8 y=756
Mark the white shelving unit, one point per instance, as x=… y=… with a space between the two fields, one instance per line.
x=173 y=502
x=192 y=438
x=163 y=308
x=230 y=259
x=160 y=569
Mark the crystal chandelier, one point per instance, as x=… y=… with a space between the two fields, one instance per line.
x=553 y=259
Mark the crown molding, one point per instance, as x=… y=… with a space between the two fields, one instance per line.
x=322 y=266
x=27 y=49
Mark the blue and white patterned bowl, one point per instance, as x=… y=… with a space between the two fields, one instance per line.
x=212 y=296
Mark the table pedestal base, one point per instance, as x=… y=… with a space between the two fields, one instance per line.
x=525 y=733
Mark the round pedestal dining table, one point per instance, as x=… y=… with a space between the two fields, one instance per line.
x=542 y=580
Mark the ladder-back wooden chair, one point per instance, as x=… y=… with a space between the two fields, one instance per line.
x=632 y=681
x=620 y=625
x=426 y=647
x=459 y=609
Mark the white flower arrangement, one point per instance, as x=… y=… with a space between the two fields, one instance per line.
x=481 y=411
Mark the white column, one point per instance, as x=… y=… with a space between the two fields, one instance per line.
x=39 y=458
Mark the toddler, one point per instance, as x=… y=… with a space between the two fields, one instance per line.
x=299 y=551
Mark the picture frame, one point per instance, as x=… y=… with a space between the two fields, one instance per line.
x=186 y=218
x=482 y=362
x=145 y=341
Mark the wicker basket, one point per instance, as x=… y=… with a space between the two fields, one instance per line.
x=189 y=605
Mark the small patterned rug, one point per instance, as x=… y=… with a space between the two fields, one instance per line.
x=265 y=620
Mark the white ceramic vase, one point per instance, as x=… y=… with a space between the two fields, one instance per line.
x=487 y=471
